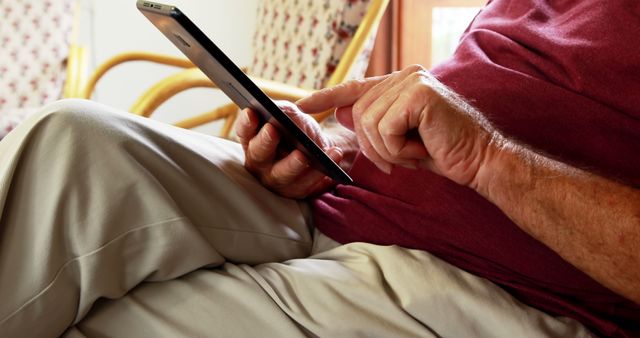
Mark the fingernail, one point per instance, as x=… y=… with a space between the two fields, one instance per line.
x=385 y=167
x=300 y=163
x=302 y=100
x=334 y=153
x=265 y=135
x=245 y=117
x=412 y=166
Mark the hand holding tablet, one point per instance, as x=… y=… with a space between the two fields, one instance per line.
x=235 y=84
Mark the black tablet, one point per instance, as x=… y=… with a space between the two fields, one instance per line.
x=235 y=83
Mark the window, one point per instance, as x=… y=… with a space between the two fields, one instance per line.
x=420 y=31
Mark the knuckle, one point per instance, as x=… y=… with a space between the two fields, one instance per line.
x=252 y=148
x=350 y=84
x=359 y=83
x=242 y=132
x=426 y=74
x=358 y=108
x=387 y=96
x=262 y=147
x=258 y=153
x=244 y=141
x=345 y=86
x=367 y=122
x=384 y=131
x=369 y=130
x=415 y=77
x=352 y=87
x=394 y=153
x=421 y=91
x=415 y=68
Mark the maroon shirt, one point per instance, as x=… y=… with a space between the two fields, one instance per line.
x=560 y=76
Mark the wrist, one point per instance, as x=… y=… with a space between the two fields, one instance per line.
x=493 y=165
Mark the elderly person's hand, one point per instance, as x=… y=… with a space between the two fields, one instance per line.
x=408 y=118
x=288 y=174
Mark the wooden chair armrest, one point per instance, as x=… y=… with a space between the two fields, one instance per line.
x=153 y=97
x=281 y=91
x=228 y=111
x=131 y=56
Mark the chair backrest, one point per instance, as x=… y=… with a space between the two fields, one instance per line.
x=301 y=42
x=34 y=46
x=35 y=38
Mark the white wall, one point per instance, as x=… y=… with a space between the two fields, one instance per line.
x=448 y=25
x=114 y=26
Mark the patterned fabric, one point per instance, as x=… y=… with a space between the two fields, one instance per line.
x=34 y=44
x=300 y=42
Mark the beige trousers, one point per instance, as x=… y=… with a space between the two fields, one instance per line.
x=113 y=225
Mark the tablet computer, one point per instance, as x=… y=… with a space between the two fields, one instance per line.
x=235 y=83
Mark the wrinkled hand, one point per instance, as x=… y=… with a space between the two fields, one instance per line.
x=287 y=174
x=408 y=118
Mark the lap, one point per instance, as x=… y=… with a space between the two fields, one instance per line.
x=352 y=290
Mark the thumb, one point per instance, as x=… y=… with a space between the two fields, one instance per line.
x=344 y=115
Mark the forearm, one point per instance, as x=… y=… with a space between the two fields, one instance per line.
x=592 y=222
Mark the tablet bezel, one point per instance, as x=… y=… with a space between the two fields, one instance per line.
x=193 y=43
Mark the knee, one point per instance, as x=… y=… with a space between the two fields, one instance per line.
x=71 y=118
x=66 y=114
